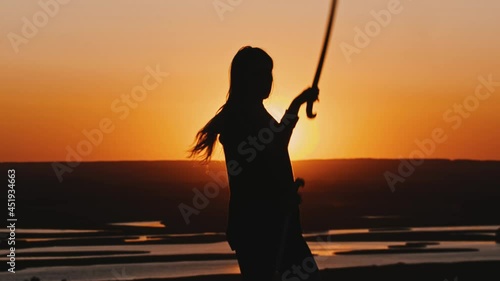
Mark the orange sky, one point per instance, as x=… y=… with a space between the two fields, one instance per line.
x=64 y=77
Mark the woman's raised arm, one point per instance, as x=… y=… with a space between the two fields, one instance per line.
x=289 y=120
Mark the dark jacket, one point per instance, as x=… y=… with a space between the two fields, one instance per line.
x=260 y=174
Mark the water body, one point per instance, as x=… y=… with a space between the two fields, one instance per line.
x=326 y=255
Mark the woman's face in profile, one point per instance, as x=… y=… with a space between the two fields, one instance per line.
x=259 y=82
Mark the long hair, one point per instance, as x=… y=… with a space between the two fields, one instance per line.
x=245 y=59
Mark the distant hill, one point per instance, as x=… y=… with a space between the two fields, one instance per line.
x=338 y=194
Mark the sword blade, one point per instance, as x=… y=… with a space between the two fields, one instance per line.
x=309 y=109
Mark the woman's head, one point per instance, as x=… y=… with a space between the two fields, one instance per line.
x=251 y=77
x=251 y=82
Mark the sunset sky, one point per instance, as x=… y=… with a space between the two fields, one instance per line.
x=70 y=73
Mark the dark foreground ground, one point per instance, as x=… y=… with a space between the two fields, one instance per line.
x=464 y=271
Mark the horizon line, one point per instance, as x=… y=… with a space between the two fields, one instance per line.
x=298 y=160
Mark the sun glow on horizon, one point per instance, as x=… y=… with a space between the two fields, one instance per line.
x=305 y=137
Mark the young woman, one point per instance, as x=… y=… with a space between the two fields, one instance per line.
x=263 y=190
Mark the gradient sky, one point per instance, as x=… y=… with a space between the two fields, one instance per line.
x=394 y=91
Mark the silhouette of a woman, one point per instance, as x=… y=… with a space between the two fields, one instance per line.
x=260 y=173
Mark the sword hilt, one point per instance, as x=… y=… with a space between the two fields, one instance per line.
x=309 y=110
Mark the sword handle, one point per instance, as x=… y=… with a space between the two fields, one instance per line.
x=309 y=110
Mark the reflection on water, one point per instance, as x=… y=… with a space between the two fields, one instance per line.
x=380 y=217
x=326 y=259
x=51 y=231
x=126 y=271
x=40 y=239
x=478 y=228
x=337 y=231
x=126 y=238
x=158 y=224
x=325 y=255
x=142 y=238
x=195 y=234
